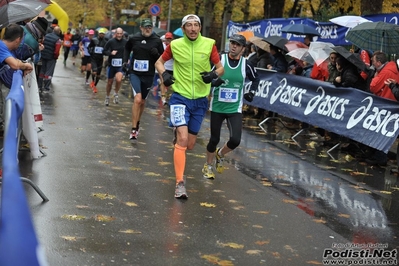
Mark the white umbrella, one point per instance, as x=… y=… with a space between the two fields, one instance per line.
x=349 y=21
x=302 y=54
x=320 y=51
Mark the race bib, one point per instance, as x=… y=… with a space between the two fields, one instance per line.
x=75 y=42
x=98 y=50
x=67 y=43
x=177 y=112
x=228 y=95
x=116 y=62
x=141 y=65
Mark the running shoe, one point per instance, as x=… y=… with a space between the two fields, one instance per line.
x=208 y=171
x=64 y=62
x=133 y=136
x=219 y=161
x=87 y=82
x=116 y=99
x=94 y=89
x=106 y=102
x=92 y=84
x=180 y=191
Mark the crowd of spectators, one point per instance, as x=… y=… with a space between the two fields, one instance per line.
x=380 y=77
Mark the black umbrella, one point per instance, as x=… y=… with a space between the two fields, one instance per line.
x=300 y=29
x=353 y=58
x=159 y=31
x=277 y=41
x=20 y=10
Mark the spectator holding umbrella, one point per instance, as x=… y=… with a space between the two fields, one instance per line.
x=279 y=62
x=332 y=67
x=385 y=72
x=349 y=75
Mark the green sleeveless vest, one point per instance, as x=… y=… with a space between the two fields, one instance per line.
x=190 y=59
x=227 y=98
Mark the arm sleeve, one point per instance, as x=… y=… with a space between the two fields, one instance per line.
x=215 y=58
x=167 y=54
x=252 y=76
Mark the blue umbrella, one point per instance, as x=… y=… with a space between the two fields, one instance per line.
x=178 y=32
x=300 y=29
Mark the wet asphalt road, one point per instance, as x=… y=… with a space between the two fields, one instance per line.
x=111 y=202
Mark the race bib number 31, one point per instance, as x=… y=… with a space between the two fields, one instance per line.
x=228 y=95
x=177 y=112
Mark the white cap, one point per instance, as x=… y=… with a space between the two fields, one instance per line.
x=190 y=18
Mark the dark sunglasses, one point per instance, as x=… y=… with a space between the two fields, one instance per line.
x=235 y=43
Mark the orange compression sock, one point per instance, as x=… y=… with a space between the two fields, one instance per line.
x=179 y=159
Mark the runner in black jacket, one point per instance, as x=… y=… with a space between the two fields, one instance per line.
x=146 y=47
x=114 y=49
x=96 y=47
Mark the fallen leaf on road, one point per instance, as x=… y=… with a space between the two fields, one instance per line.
x=262 y=212
x=103 y=218
x=344 y=215
x=131 y=204
x=386 y=192
x=257 y=226
x=313 y=262
x=103 y=196
x=164 y=163
x=290 y=201
x=230 y=245
x=267 y=184
x=129 y=231
x=320 y=221
x=105 y=162
x=73 y=217
x=359 y=174
x=151 y=174
x=254 y=252
x=261 y=243
x=216 y=260
x=206 y=204
x=71 y=238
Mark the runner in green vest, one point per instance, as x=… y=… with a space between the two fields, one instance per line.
x=192 y=77
x=226 y=103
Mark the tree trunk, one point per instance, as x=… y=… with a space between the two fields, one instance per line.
x=228 y=11
x=208 y=16
x=294 y=9
x=273 y=8
x=244 y=10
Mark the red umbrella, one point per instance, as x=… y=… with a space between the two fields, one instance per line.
x=292 y=45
